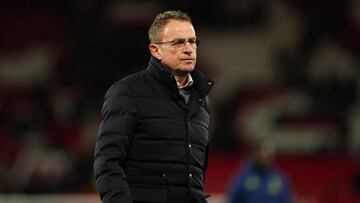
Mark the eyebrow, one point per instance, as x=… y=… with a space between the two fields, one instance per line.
x=184 y=38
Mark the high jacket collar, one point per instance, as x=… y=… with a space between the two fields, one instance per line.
x=160 y=72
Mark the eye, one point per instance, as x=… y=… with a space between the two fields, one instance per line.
x=178 y=42
x=192 y=41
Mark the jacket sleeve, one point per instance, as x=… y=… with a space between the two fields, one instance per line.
x=207 y=148
x=114 y=137
x=208 y=109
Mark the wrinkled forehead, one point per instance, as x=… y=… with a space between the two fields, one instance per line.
x=176 y=29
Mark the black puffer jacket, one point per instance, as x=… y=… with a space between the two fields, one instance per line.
x=152 y=146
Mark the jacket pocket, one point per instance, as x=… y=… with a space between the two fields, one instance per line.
x=148 y=194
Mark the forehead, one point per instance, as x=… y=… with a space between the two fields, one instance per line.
x=178 y=29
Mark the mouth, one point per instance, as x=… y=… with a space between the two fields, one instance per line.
x=188 y=59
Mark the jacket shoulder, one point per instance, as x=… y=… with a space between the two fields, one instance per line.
x=128 y=84
x=134 y=78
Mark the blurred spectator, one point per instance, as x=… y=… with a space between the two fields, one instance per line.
x=259 y=181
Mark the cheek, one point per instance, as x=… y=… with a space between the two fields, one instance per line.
x=174 y=57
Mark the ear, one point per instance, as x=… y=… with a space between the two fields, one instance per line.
x=154 y=50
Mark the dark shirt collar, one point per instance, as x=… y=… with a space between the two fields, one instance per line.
x=163 y=74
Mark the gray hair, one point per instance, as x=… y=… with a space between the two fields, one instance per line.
x=157 y=27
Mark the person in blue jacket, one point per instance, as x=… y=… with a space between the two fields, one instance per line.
x=259 y=181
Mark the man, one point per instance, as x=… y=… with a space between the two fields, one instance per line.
x=154 y=135
x=259 y=181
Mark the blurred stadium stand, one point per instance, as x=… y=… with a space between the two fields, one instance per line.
x=286 y=70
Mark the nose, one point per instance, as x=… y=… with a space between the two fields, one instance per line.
x=188 y=49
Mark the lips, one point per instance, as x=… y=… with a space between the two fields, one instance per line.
x=187 y=59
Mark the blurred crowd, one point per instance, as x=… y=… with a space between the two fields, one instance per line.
x=57 y=59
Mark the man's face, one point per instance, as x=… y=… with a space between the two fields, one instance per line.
x=264 y=155
x=180 y=58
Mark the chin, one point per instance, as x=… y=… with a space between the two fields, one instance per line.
x=183 y=71
x=187 y=68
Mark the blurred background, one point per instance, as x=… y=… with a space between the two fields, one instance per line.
x=285 y=71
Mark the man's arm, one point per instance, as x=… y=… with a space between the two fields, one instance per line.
x=114 y=137
x=207 y=149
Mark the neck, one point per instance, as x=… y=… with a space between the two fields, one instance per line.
x=181 y=79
